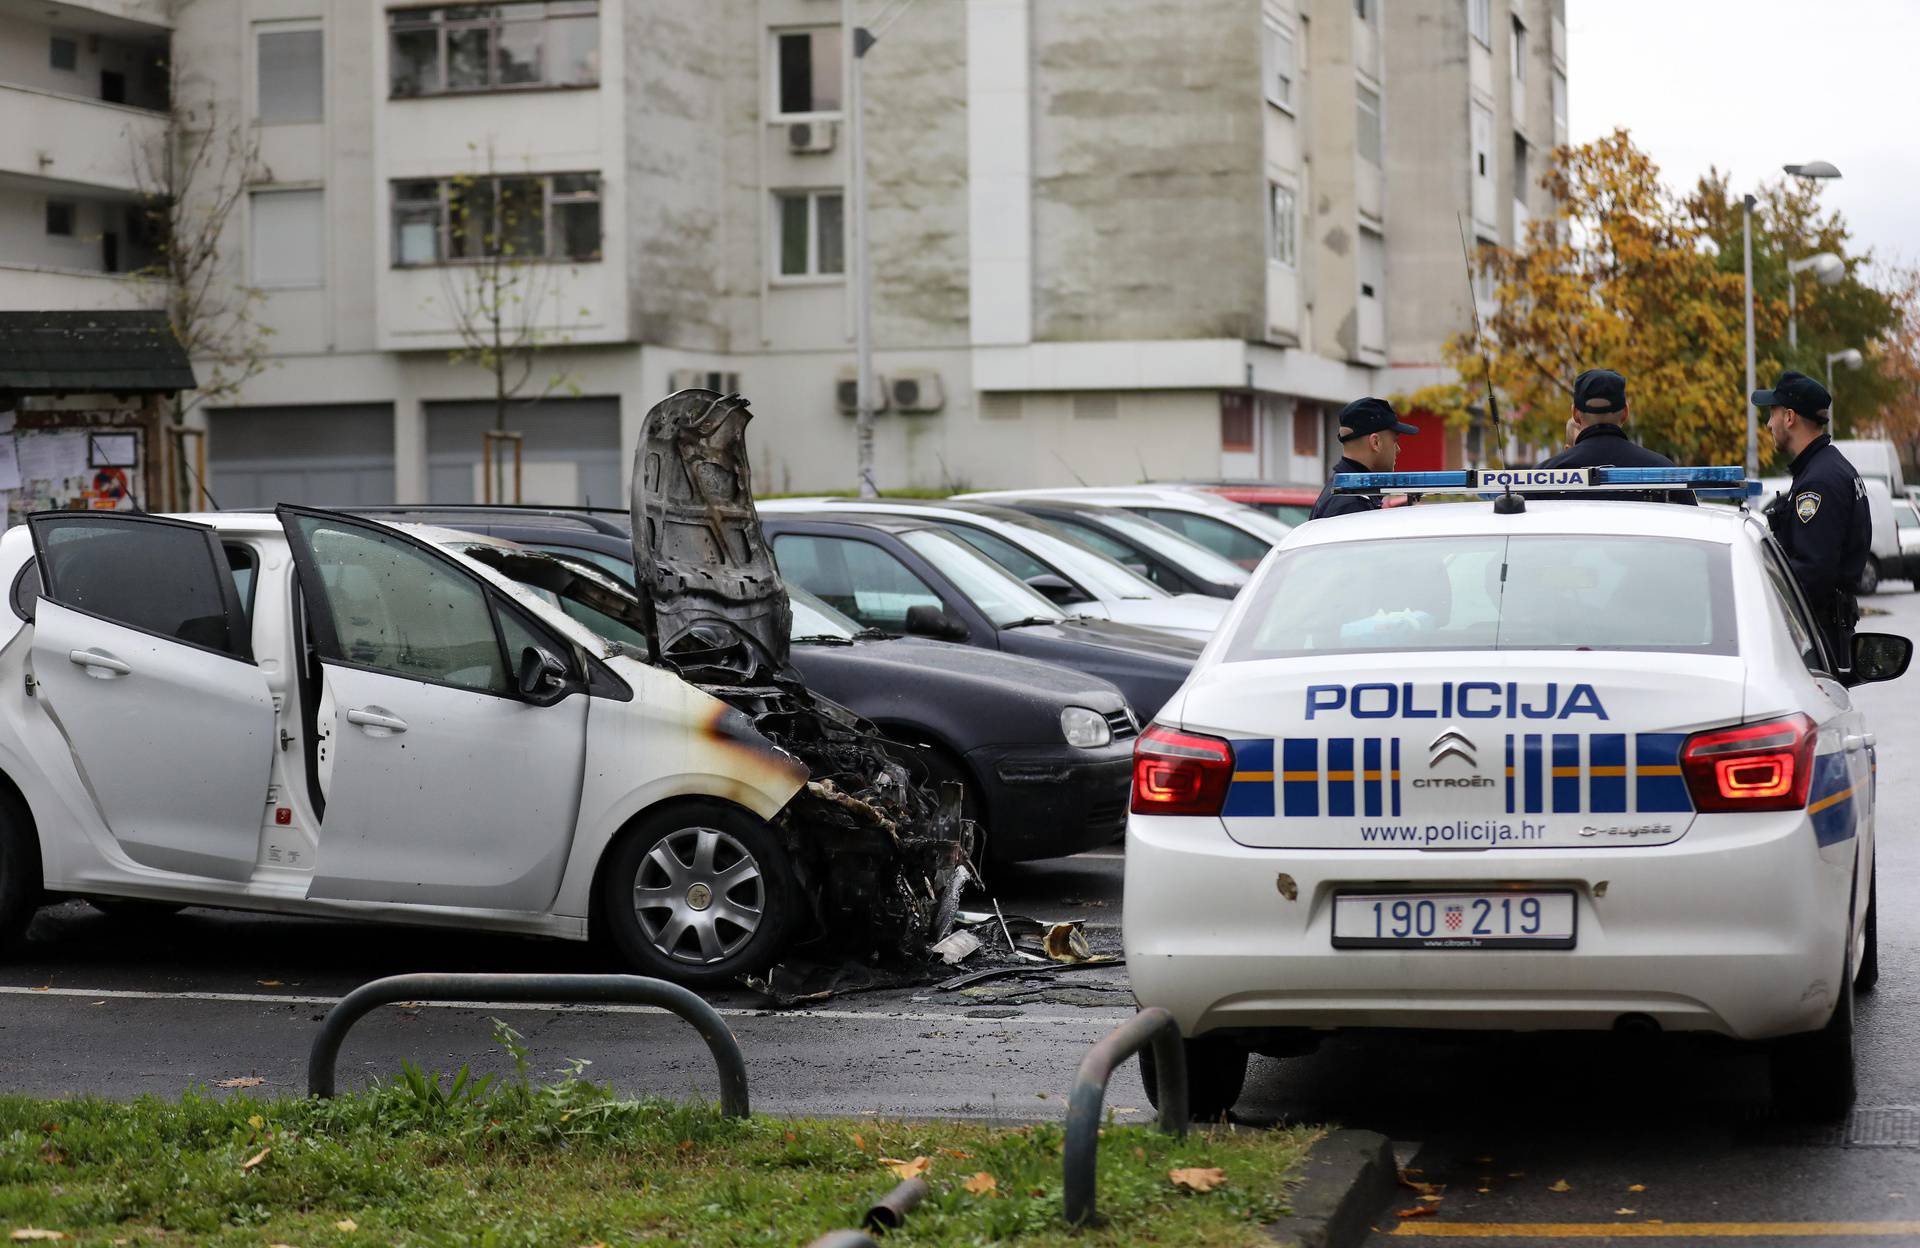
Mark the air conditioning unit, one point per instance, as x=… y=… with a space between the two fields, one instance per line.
x=804 y=137
x=701 y=379
x=848 y=398
x=917 y=390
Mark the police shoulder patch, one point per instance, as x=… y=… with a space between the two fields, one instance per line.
x=1806 y=504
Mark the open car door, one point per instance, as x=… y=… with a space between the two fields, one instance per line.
x=142 y=657
x=444 y=783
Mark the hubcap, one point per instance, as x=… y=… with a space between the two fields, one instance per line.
x=699 y=895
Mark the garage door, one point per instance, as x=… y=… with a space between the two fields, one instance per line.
x=333 y=456
x=571 y=452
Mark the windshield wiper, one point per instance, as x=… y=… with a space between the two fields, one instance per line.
x=1031 y=620
x=822 y=639
x=874 y=634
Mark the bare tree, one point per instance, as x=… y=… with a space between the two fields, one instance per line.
x=502 y=290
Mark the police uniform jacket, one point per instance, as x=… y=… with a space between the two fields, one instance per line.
x=1608 y=446
x=1331 y=504
x=1824 y=525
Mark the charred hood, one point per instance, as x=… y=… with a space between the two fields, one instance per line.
x=703 y=563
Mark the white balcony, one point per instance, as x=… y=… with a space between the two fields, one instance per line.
x=73 y=141
x=107 y=16
x=26 y=289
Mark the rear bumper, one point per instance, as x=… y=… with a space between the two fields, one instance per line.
x=1051 y=801
x=1739 y=929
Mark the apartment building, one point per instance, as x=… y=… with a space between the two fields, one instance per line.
x=1110 y=240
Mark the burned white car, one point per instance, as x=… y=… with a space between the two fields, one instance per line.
x=315 y=713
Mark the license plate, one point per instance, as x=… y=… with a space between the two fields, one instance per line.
x=1494 y=920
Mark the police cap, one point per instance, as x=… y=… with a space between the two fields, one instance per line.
x=1799 y=392
x=1600 y=392
x=1369 y=415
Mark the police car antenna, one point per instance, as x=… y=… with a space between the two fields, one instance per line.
x=1473 y=301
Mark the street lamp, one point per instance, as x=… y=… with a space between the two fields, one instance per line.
x=1851 y=359
x=1828 y=270
x=1812 y=169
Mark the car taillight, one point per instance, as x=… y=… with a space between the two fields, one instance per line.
x=1764 y=766
x=1180 y=773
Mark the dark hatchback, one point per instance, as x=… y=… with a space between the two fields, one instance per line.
x=1174 y=562
x=909 y=575
x=997 y=723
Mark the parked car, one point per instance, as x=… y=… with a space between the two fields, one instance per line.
x=1072 y=575
x=1288 y=504
x=436 y=744
x=1228 y=529
x=908 y=575
x=1176 y=564
x=1043 y=752
x=1906 y=525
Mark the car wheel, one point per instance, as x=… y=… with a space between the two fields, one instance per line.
x=1812 y=1074
x=20 y=880
x=1216 y=1073
x=136 y=909
x=1868 y=975
x=700 y=893
x=1869 y=578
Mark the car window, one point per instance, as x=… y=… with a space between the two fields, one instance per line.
x=998 y=594
x=1175 y=548
x=1286 y=513
x=582 y=590
x=855 y=578
x=1492 y=593
x=159 y=577
x=1242 y=549
x=395 y=608
x=622 y=568
x=245 y=569
x=1906 y=517
x=518 y=637
x=1787 y=605
x=1121 y=553
x=1001 y=551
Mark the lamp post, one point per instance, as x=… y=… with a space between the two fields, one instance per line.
x=1852 y=359
x=1812 y=169
x=1828 y=269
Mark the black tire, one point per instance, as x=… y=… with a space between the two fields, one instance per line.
x=1813 y=1074
x=1868 y=975
x=1216 y=1074
x=645 y=937
x=1869 y=577
x=20 y=878
x=136 y=909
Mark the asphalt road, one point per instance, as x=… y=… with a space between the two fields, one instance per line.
x=1647 y=1139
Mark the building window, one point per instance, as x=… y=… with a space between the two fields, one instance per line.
x=1306 y=431
x=1519 y=50
x=59 y=219
x=1282 y=225
x=1236 y=424
x=64 y=53
x=289 y=238
x=288 y=62
x=1363 y=9
x=1483 y=285
x=494 y=47
x=1367 y=136
x=1480 y=21
x=1559 y=101
x=1520 y=168
x=812 y=234
x=806 y=66
x=534 y=217
x=1280 y=67
x=1373 y=264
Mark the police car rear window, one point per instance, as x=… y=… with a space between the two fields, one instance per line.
x=1492 y=593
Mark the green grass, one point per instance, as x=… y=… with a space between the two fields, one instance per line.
x=419 y=1160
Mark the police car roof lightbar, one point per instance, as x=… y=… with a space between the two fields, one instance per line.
x=1717 y=482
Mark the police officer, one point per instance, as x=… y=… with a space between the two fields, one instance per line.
x=1599 y=411
x=1822 y=521
x=1370 y=435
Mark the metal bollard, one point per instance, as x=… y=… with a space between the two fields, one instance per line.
x=554 y=989
x=1152 y=1026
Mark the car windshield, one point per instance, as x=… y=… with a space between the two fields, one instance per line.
x=583 y=591
x=814 y=619
x=1236 y=545
x=1492 y=593
x=1082 y=563
x=1000 y=596
x=1285 y=513
x=1183 y=552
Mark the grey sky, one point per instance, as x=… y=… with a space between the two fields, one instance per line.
x=1750 y=85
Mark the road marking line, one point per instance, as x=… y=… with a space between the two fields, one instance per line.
x=1651 y=1230
x=281 y=998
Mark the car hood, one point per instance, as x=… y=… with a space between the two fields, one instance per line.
x=919 y=661
x=1114 y=635
x=702 y=561
x=1191 y=615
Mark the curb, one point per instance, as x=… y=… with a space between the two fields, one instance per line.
x=1349 y=1178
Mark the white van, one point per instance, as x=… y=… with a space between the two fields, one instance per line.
x=1888 y=560
x=1874 y=459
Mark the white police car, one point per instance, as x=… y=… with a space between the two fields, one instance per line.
x=1550 y=764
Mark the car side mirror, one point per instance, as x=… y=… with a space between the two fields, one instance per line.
x=1057 y=590
x=927 y=620
x=543 y=675
x=1879 y=656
